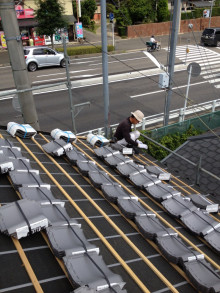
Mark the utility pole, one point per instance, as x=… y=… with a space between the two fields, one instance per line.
x=173 y=42
x=210 y=16
x=69 y=85
x=105 y=67
x=18 y=65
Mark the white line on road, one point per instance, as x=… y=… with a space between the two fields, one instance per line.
x=64 y=78
x=76 y=71
x=117 y=61
x=162 y=91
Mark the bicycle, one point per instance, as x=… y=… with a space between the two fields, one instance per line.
x=151 y=48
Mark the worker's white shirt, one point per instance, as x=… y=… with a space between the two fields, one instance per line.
x=152 y=40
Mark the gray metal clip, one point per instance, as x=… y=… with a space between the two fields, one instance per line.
x=17 y=38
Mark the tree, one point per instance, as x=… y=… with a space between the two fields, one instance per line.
x=129 y=12
x=141 y=11
x=88 y=8
x=162 y=10
x=50 y=17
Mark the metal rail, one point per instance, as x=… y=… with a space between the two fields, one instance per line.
x=157 y=118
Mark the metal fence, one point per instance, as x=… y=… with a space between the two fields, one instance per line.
x=203 y=123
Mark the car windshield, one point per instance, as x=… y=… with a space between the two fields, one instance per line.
x=26 y=52
x=208 y=31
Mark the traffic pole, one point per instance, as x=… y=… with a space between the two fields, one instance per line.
x=18 y=65
x=105 y=67
x=173 y=42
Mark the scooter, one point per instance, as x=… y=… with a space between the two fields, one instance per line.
x=151 y=48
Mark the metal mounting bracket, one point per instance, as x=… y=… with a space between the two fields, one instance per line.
x=81 y=106
x=17 y=38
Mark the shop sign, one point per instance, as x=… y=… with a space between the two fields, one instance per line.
x=24 y=13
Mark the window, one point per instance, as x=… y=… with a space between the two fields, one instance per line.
x=38 y=52
x=26 y=52
x=49 y=52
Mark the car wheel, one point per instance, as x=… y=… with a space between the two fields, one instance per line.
x=32 y=66
x=63 y=63
x=218 y=44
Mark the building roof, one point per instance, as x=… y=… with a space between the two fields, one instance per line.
x=201 y=4
x=29 y=263
x=205 y=147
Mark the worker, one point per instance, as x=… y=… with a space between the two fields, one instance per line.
x=127 y=138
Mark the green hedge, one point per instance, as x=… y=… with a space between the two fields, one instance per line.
x=81 y=50
x=122 y=31
x=171 y=141
x=198 y=12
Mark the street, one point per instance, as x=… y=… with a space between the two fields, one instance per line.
x=133 y=84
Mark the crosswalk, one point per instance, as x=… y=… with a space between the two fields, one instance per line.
x=206 y=58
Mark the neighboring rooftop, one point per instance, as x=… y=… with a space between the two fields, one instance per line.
x=205 y=147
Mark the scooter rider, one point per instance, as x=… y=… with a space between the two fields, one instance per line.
x=154 y=43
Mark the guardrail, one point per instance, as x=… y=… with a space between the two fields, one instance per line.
x=177 y=114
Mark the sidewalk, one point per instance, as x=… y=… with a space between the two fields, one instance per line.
x=121 y=45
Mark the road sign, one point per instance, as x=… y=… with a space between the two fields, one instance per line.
x=111 y=16
x=195 y=69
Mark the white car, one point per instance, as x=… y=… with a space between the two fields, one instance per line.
x=41 y=56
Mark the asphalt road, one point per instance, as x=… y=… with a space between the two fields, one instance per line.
x=133 y=84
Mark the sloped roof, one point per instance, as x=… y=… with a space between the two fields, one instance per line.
x=85 y=203
x=206 y=147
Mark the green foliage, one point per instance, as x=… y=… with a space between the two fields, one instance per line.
x=139 y=10
x=198 y=13
x=81 y=50
x=130 y=12
x=216 y=11
x=122 y=17
x=171 y=141
x=88 y=7
x=110 y=8
x=49 y=15
x=162 y=11
x=122 y=31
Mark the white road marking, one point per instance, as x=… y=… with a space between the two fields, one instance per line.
x=72 y=72
x=162 y=91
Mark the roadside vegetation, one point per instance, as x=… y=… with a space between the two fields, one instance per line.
x=81 y=50
x=171 y=141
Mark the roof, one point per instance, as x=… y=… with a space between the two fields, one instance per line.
x=206 y=147
x=201 y=3
x=29 y=263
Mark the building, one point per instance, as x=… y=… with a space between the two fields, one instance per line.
x=27 y=23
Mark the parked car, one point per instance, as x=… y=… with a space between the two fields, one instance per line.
x=42 y=56
x=211 y=36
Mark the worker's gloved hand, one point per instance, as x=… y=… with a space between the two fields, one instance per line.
x=142 y=146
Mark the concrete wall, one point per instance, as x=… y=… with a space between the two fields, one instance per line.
x=163 y=28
